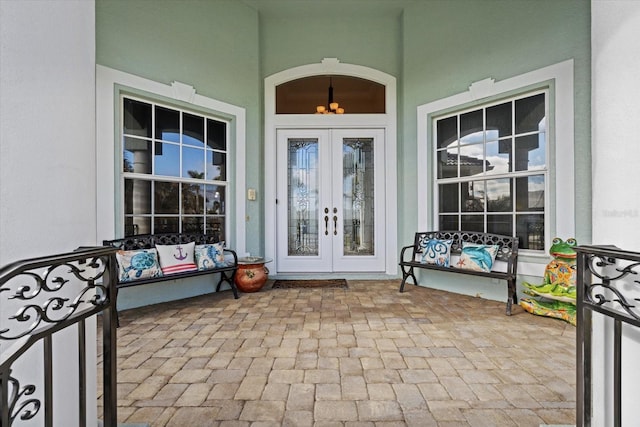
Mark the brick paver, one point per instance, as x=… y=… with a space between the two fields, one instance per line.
x=363 y=357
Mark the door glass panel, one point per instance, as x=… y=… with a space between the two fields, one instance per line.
x=358 y=196
x=303 y=178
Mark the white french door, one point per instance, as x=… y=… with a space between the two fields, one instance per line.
x=330 y=200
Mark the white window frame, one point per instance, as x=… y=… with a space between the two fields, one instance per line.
x=110 y=83
x=152 y=176
x=485 y=176
x=560 y=212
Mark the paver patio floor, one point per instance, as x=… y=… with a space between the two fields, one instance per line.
x=365 y=356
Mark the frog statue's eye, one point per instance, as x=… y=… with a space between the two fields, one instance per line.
x=556 y=240
x=571 y=242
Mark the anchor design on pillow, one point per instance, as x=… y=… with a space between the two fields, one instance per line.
x=181 y=255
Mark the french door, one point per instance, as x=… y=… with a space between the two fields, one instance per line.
x=330 y=200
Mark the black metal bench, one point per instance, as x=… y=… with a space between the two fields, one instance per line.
x=148 y=241
x=506 y=257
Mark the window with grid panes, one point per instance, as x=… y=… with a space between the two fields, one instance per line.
x=174 y=170
x=492 y=169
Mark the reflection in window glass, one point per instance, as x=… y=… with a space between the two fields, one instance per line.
x=449 y=196
x=216 y=166
x=530 y=152
x=192 y=224
x=137 y=199
x=192 y=163
x=530 y=231
x=448 y=163
x=472 y=196
x=166 y=197
x=192 y=198
x=215 y=226
x=499 y=197
x=500 y=224
x=216 y=134
x=167 y=124
x=167 y=159
x=137 y=225
x=471 y=160
x=471 y=127
x=530 y=112
x=193 y=130
x=166 y=224
x=447 y=131
x=472 y=223
x=137 y=155
x=137 y=118
x=215 y=199
x=499 y=120
x=496 y=155
x=449 y=222
x=530 y=193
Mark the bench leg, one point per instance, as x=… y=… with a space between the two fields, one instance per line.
x=405 y=275
x=512 y=298
x=230 y=281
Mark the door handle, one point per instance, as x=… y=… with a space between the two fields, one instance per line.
x=335 y=225
x=326 y=221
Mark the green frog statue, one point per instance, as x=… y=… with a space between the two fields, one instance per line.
x=556 y=296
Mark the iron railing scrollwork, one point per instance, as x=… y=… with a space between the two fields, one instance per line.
x=40 y=297
x=608 y=282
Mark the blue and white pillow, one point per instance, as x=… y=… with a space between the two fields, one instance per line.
x=137 y=264
x=210 y=256
x=435 y=251
x=477 y=257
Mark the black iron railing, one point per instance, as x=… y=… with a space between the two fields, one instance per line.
x=608 y=281
x=39 y=298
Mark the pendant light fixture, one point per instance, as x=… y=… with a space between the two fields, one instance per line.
x=332 y=107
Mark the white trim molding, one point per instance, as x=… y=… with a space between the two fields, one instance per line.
x=386 y=121
x=108 y=82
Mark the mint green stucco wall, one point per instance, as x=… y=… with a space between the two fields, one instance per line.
x=370 y=35
x=435 y=48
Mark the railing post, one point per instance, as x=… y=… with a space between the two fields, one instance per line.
x=109 y=345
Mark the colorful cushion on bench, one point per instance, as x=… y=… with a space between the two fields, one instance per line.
x=435 y=251
x=210 y=256
x=477 y=257
x=177 y=258
x=137 y=264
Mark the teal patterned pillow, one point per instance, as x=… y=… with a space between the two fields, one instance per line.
x=210 y=256
x=477 y=257
x=137 y=264
x=436 y=251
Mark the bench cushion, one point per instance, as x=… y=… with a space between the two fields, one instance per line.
x=177 y=258
x=210 y=256
x=477 y=257
x=137 y=264
x=436 y=251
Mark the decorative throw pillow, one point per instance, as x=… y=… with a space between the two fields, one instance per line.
x=435 y=251
x=210 y=256
x=477 y=257
x=176 y=258
x=137 y=264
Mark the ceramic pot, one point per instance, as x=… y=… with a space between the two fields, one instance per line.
x=251 y=277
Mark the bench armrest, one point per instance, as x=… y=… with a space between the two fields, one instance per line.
x=235 y=256
x=403 y=250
